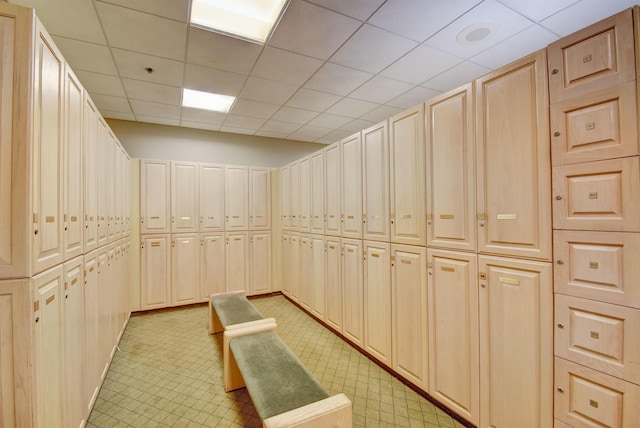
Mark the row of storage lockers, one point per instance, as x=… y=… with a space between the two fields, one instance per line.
x=182 y=197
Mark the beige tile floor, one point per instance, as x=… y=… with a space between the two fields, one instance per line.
x=168 y=373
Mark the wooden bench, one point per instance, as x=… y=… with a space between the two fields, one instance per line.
x=284 y=392
x=232 y=310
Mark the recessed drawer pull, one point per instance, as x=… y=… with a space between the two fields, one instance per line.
x=406 y=262
x=405 y=216
x=595 y=335
x=350 y=217
x=447 y=216
x=591 y=126
x=447 y=269
x=375 y=255
x=50 y=218
x=507 y=216
x=509 y=281
x=152 y=217
x=593 y=195
x=185 y=218
x=586 y=58
x=593 y=265
x=593 y=403
x=50 y=299
x=155 y=244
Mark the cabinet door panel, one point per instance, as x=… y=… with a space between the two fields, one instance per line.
x=154 y=196
x=211 y=197
x=286 y=263
x=293 y=268
x=212 y=265
x=184 y=197
x=90 y=175
x=185 y=269
x=334 y=283
x=155 y=275
x=351 y=164
x=332 y=189
x=260 y=198
x=237 y=261
x=294 y=196
x=304 y=199
x=375 y=182
x=260 y=270
x=353 y=290
x=237 y=198
x=318 y=276
x=285 y=201
x=92 y=330
x=377 y=300
x=102 y=203
x=317 y=192
x=305 y=292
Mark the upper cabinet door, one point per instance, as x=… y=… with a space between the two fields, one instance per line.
x=513 y=187
x=90 y=175
x=351 y=163
x=451 y=179
x=260 y=198
x=101 y=170
x=317 y=192
x=237 y=198
x=375 y=182
x=304 y=199
x=154 y=196
x=285 y=197
x=332 y=189
x=211 y=197
x=294 y=195
x=597 y=57
x=47 y=152
x=184 y=197
x=407 y=177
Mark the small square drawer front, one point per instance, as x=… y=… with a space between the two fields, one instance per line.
x=587 y=398
x=598 y=335
x=601 y=195
x=600 y=125
x=594 y=58
x=598 y=265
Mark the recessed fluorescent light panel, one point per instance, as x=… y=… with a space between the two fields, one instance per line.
x=207 y=100
x=252 y=20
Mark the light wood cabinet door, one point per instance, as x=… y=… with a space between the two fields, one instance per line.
x=451 y=178
x=92 y=330
x=155 y=271
x=454 y=379
x=237 y=257
x=260 y=198
x=155 y=196
x=72 y=158
x=110 y=185
x=293 y=266
x=351 y=184
x=286 y=263
x=318 y=276
x=602 y=195
x=375 y=182
x=305 y=292
x=377 y=301
x=353 y=291
x=513 y=189
x=409 y=310
x=237 y=198
x=47 y=178
x=260 y=269
x=516 y=343
x=212 y=265
x=47 y=333
x=211 y=198
x=15 y=371
x=102 y=203
x=334 y=283
x=184 y=197
x=106 y=306
x=74 y=334
x=317 y=192
x=407 y=177
x=185 y=269
x=285 y=197
x=90 y=173
x=304 y=191
x=596 y=57
x=332 y=189
x=294 y=196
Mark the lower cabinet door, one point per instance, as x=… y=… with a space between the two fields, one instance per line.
x=92 y=329
x=334 y=283
x=353 y=291
x=293 y=274
x=305 y=292
x=155 y=271
x=377 y=300
x=237 y=261
x=260 y=271
x=185 y=269
x=318 y=275
x=212 y=265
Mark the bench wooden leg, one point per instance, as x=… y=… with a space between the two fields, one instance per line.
x=232 y=377
x=215 y=326
x=335 y=411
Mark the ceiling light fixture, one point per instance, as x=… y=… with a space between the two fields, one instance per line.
x=477 y=33
x=207 y=100
x=252 y=20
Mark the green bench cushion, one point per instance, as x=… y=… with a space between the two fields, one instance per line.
x=235 y=309
x=276 y=379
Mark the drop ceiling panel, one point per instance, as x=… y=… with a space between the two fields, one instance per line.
x=584 y=13
x=147 y=108
x=309 y=99
x=294 y=115
x=254 y=108
x=97 y=83
x=86 y=56
x=358 y=9
x=266 y=91
x=334 y=136
x=173 y=9
x=117 y=115
x=357 y=125
x=456 y=76
x=350 y=107
x=146 y=91
x=215 y=50
x=281 y=127
x=380 y=89
x=234 y=130
x=244 y=122
x=202 y=116
x=132 y=65
x=287 y=67
x=111 y=103
x=326 y=120
x=381 y=113
x=198 y=125
x=420 y=64
x=309 y=133
x=539 y=9
x=211 y=80
x=412 y=97
x=337 y=79
x=158 y=120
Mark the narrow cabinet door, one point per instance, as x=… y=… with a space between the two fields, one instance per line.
x=260 y=198
x=407 y=177
x=318 y=275
x=377 y=300
x=451 y=178
x=304 y=200
x=47 y=147
x=332 y=189
x=237 y=256
x=185 y=269
x=92 y=330
x=305 y=293
x=351 y=183
x=154 y=196
x=409 y=308
x=155 y=271
x=513 y=190
x=237 y=198
x=260 y=257
x=293 y=274
x=353 y=290
x=375 y=182
x=286 y=263
x=516 y=343
x=453 y=331
x=101 y=169
x=294 y=196
x=211 y=197
x=317 y=192
x=285 y=197
x=90 y=172
x=334 y=283
x=184 y=197
x=212 y=265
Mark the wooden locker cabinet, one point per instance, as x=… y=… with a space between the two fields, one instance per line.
x=453 y=331
x=260 y=198
x=304 y=194
x=318 y=276
x=587 y=398
x=409 y=311
x=102 y=204
x=516 y=357
x=184 y=197
x=598 y=265
x=212 y=264
x=293 y=274
x=353 y=291
x=294 y=196
x=375 y=182
x=110 y=186
x=599 y=56
x=598 y=335
x=332 y=189
x=596 y=126
x=237 y=258
x=513 y=187
x=602 y=195
x=286 y=263
x=237 y=198
x=260 y=256
x=211 y=202
x=377 y=301
x=155 y=187
x=305 y=273
x=407 y=177
x=92 y=330
x=155 y=271
x=105 y=292
x=317 y=192
x=185 y=268
x=351 y=186
x=333 y=277
x=285 y=201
